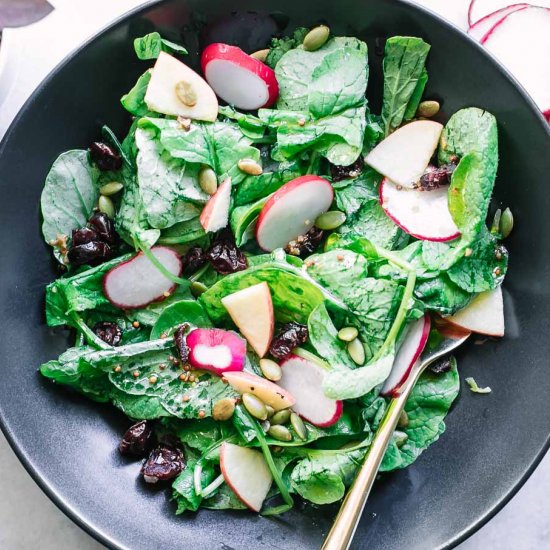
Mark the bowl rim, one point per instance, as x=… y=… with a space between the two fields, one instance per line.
x=48 y=489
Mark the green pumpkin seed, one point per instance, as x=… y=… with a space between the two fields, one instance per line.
x=330 y=220
x=280 y=417
x=403 y=421
x=495 y=227
x=428 y=109
x=223 y=409
x=356 y=351
x=250 y=167
x=316 y=38
x=111 y=188
x=270 y=411
x=254 y=406
x=197 y=288
x=299 y=426
x=186 y=93
x=400 y=438
x=260 y=55
x=106 y=206
x=506 y=223
x=280 y=432
x=348 y=334
x=208 y=180
x=271 y=370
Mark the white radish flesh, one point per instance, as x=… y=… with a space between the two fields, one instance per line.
x=480 y=9
x=479 y=30
x=216 y=350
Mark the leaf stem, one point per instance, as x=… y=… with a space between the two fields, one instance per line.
x=158 y=264
x=88 y=334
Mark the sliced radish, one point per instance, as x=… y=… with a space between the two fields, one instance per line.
x=216 y=350
x=246 y=472
x=479 y=30
x=271 y=394
x=484 y=314
x=252 y=311
x=422 y=214
x=413 y=344
x=215 y=215
x=521 y=42
x=480 y=9
x=292 y=210
x=137 y=282
x=161 y=95
x=304 y=380
x=404 y=155
x=238 y=78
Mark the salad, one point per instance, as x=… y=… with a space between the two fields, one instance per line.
x=251 y=283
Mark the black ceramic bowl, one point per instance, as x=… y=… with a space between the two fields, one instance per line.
x=68 y=444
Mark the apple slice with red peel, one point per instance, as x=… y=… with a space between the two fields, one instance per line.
x=137 y=282
x=414 y=342
x=247 y=474
x=216 y=350
x=292 y=210
x=215 y=215
x=161 y=95
x=252 y=311
x=422 y=214
x=481 y=28
x=304 y=380
x=238 y=78
x=484 y=314
x=271 y=394
x=405 y=154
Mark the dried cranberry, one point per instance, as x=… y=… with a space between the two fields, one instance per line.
x=105 y=156
x=108 y=332
x=224 y=255
x=339 y=173
x=165 y=462
x=193 y=260
x=439 y=367
x=137 y=440
x=181 y=341
x=83 y=236
x=90 y=253
x=290 y=336
x=104 y=227
x=435 y=177
x=306 y=244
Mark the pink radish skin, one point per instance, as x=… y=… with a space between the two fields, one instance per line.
x=484 y=26
x=215 y=215
x=292 y=210
x=238 y=78
x=216 y=350
x=409 y=352
x=304 y=380
x=137 y=282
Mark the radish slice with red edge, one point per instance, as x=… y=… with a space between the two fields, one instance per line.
x=479 y=9
x=479 y=30
x=412 y=346
x=422 y=214
x=137 y=282
x=216 y=350
x=238 y=78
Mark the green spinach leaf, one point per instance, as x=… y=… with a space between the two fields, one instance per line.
x=150 y=46
x=184 y=311
x=134 y=100
x=279 y=46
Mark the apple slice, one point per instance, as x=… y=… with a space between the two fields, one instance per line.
x=413 y=343
x=247 y=473
x=161 y=95
x=484 y=314
x=481 y=28
x=216 y=350
x=424 y=214
x=304 y=379
x=271 y=394
x=215 y=215
x=404 y=155
x=292 y=210
x=252 y=311
x=137 y=282
x=238 y=78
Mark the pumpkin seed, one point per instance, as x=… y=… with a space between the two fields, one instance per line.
x=111 y=188
x=250 y=167
x=260 y=55
x=348 y=334
x=495 y=227
x=403 y=421
x=280 y=432
x=271 y=370
x=197 y=288
x=223 y=409
x=428 y=109
x=299 y=426
x=280 y=417
x=265 y=425
x=186 y=93
x=316 y=38
x=356 y=351
x=270 y=411
x=506 y=223
x=330 y=220
x=255 y=406
x=105 y=205
x=400 y=438
x=208 y=180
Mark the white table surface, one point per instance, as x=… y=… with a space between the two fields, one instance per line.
x=27 y=517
